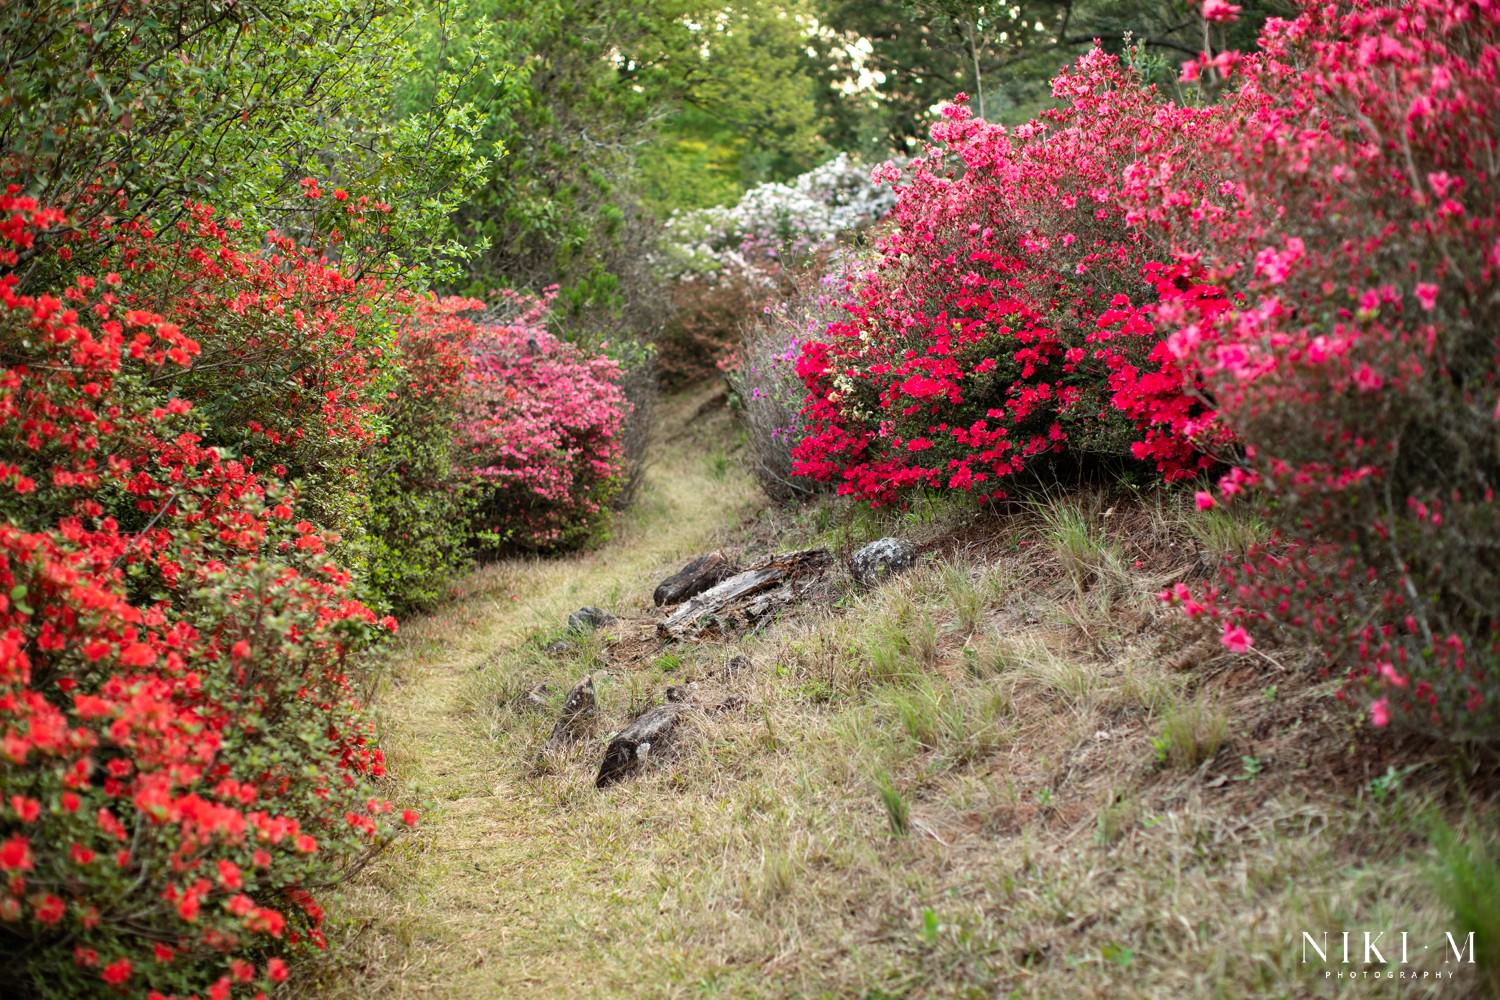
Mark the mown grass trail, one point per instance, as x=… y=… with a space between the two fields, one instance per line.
x=1010 y=771
x=494 y=897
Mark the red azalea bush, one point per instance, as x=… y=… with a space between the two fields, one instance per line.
x=184 y=758
x=292 y=347
x=300 y=366
x=212 y=453
x=541 y=426
x=1008 y=316
x=1356 y=220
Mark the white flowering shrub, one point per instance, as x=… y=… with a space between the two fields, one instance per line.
x=775 y=223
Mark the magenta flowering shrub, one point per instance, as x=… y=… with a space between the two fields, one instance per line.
x=1010 y=313
x=1295 y=284
x=1356 y=222
x=541 y=424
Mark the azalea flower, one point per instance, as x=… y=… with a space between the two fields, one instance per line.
x=1236 y=639
x=1220 y=11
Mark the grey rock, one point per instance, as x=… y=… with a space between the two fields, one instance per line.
x=882 y=558
x=694 y=578
x=537 y=699
x=579 y=716
x=589 y=619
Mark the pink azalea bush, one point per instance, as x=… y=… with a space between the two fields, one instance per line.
x=1293 y=288
x=541 y=425
x=1345 y=196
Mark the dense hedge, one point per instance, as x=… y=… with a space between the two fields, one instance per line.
x=184 y=750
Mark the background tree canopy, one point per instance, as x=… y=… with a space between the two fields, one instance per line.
x=883 y=64
x=524 y=144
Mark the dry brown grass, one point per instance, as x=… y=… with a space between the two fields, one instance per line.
x=1049 y=848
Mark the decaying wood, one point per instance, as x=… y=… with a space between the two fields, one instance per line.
x=580 y=714
x=747 y=597
x=648 y=735
x=694 y=578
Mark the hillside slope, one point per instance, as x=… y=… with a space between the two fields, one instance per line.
x=1008 y=771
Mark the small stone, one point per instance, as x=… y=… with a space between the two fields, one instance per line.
x=579 y=716
x=589 y=619
x=694 y=578
x=738 y=664
x=537 y=699
x=882 y=558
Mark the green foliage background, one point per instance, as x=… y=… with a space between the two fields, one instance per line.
x=522 y=143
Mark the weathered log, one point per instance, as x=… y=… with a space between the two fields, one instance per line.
x=579 y=716
x=694 y=578
x=746 y=597
x=649 y=734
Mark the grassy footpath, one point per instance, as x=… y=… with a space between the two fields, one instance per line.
x=483 y=902
x=1008 y=772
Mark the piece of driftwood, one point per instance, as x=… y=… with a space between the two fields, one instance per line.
x=649 y=734
x=694 y=578
x=579 y=716
x=746 y=597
